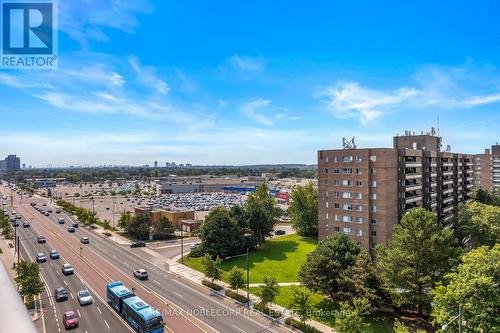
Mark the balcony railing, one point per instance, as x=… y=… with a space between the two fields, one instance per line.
x=413 y=199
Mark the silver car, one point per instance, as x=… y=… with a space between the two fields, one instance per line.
x=84 y=297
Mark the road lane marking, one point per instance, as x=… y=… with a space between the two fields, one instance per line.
x=58 y=273
x=65 y=282
x=175 y=292
x=79 y=315
x=106 y=323
x=72 y=297
x=239 y=329
x=99 y=310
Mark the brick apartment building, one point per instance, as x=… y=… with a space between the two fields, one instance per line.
x=365 y=192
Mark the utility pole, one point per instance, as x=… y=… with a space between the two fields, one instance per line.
x=18 y=246
x=460 y=318
x=182 y=244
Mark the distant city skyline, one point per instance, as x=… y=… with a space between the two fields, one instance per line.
x=253 y=83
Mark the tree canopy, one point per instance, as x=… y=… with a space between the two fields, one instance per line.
x=303 y=210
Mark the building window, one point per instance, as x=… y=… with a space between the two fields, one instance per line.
x=373 y=233
x=347 y=182
x=347 y=207
x=347 y=219
x=359 y=232
x=359 y=219
x=373 y=221
x=347 y=170
x=373 y=209
x=336 y=218
x=373 y=158
x=336 y=170
x=326 y=194
x=326 y=204
x=358 y=195
x=336 y=205
x=347 y=230
x=359 y=158
x=373 y=183
x=347 y=195
x=336 y=194
x=373 y=245
x=326 y=170
x=337 y=229
x=326 y=216
x=373 y=171
x=335 y=159
x=336 y=182
x=359 y=183
x=347 y=159
x=326 y=159
x=373 y=196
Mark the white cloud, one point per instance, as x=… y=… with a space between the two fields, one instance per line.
x=147 y=75
x=247 y=63
x=250 y=109
x=433 y=87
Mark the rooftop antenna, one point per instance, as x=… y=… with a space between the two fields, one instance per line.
x=438 y=125
x=348 y=144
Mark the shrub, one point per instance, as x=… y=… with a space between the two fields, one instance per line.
x=211 y=285
x=236 y=296
x=107 y=234
x=301 y=326
x=270 y=312
x=196 y=252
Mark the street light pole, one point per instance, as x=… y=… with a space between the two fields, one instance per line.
x=248 y=280
x=182 y=244
x=459 y=317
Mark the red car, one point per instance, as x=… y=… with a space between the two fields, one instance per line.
x=70 y=319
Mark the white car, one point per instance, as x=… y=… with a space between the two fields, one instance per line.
x=84 y=297
x=67 y=269
x=141 y=274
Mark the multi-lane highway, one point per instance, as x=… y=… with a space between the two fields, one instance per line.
x=186 y=307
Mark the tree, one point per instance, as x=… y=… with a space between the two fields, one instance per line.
x=351 y=318
x=485 y=197
x=262 y=214
x=163 y=229
x=475 y=285
x=303 y=210
x=420 y=252
x=220 y=235
x=236 y=278
x=324 y=268
x=269 y=291
x=125 y=220
x=211 y=267
x=28 y=279
x=301 y=303
x=140 y=226
x=477 y=224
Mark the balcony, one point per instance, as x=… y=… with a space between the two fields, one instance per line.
x=433 y=174
x=413 y=175
x=448 y=200
x=448 y=209
x=413 y=164
x=448 y=164
x=433 y=164
x=448 y=182
x=413 y=199
x=433 y=194
x=434 y=204
x=448 y=190
x=413 y=187
x=448 y=217
x=447 y=173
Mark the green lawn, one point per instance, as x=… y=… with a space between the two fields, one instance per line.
x=324 y=308
x=280 y=257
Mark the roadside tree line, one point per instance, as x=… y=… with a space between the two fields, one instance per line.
x=141 y=226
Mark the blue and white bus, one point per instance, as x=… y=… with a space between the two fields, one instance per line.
x=139 y=314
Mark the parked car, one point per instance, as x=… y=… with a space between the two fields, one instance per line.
x=41 y=239
x=49 y=211
x=15 y=223
x=54 y=254
x=58 y=211
x=138 y=244
x=75 y=225
x=141 y=274
x=70 y=319
x=67 y=269
x=41 y=257
x=84 y=240
x=84 y=297
x=71 y=229
x=46 y=214
x=61 y=294
x=61 y=220
x=194 y=245
x=279 y=232
x=26 y=224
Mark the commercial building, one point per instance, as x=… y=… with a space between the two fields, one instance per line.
x=173 y=185
x=10 y=163
x=364 y=192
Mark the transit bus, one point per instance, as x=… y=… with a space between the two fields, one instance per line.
x=134 y=310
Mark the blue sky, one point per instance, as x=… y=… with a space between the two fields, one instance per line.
x=234 y=82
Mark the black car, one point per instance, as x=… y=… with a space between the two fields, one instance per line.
x=15 y=223
x=138 y=244
x=26 y=224
x=75 y=225
x=61 y=294
x=41 y=239
x=279 y=232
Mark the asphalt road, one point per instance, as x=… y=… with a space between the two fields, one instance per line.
x=186 y=307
